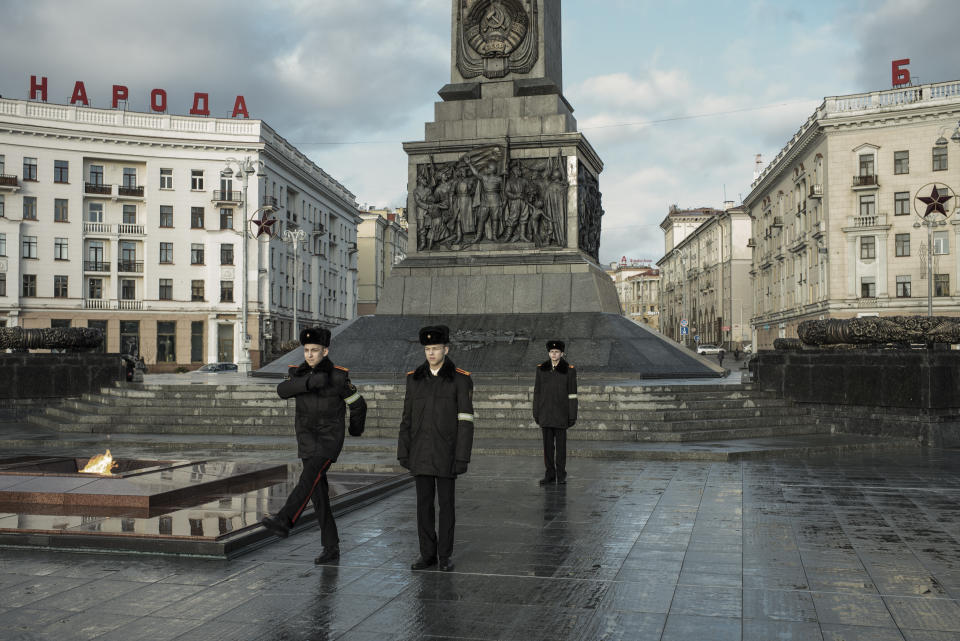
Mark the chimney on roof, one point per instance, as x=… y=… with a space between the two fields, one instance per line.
x=757 y=166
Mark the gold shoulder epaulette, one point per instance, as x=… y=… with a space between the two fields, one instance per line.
x=411 y=372
x=293 y=366
x=463 y=371
x=340 y=367
x=571 y=365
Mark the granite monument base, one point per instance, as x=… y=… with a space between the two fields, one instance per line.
x=509 y=344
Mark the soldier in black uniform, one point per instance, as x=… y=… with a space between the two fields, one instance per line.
x=323 y=390
x=555 y=409
x=436 y=436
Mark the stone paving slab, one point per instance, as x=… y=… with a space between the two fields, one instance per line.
x=863 y=546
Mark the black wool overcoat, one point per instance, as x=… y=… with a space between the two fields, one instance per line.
x=322 y=394
x=436 y=430
x=555 y=401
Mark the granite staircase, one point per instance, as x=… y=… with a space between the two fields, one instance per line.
x=208 y=414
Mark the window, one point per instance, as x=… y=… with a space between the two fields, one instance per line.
x=196 y=179
x=129 y=337
x=868 y=247
x=902 y=243
x=166 y=289
x=868 y=205
x=59 y=286
x=196 y=290
x=196 y=218
x=226 y=254
x=95 y=256
x=866 y=165
x=95 y=288
x=61 y=249
x=95 y=213
x=60 y=210
x=166 y=341
x=868 y=288
x=29 y=247
x=939 y=158
x=196 y=254
x=128 y=289
x=96 y=174
x=903 y=286
x=2 y=215
x=29 y=168
x=226 y=291
x=941 y=242
x=196 y=341
x=29 y=208
x=901 y=162
x=3 y=244
x=166 y=216
x=166 y=179
x=129 y=214
x=166 y=253
x=226 y=218
x=61 y=171
x=941 y=284
x=3 y=163
x=901 y=203
x=129 y=177
x=29 y=285
x=102 y=326
x=3 y=284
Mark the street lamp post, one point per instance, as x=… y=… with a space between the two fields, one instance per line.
x=244 y=169
x=295 y=237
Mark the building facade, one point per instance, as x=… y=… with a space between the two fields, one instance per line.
x=126 y=221
x=638 y=288
x=382 y=241
x=836 y=231
x=705 y=276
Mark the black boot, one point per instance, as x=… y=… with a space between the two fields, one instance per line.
x=328 y=555
x=275 y=525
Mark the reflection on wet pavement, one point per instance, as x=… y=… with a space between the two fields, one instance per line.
x=855 y=547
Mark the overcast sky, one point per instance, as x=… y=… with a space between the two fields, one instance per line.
x=677 y=97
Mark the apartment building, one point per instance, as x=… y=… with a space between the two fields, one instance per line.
x=162 y=229
x=382 y=241
x=638 y=287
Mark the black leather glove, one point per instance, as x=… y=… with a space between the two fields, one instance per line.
x=404 y=463
x=461 y=467
x=355 y=430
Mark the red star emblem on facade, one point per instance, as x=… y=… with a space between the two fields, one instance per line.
x=935 y=202
x=264 y=225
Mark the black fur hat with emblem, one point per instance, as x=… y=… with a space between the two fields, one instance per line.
x=315 y=336
x=555 y=345
x=434 y=335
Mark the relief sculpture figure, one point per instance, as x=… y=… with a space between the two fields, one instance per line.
x=463 y=218
x=515 y=219
x=555 y=206
x=490 y=210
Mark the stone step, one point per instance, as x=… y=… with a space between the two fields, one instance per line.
x=733 y=433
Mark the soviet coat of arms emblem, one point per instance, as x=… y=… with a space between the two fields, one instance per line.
x=496 y=37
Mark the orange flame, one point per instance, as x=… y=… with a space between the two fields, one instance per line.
x=100 y=464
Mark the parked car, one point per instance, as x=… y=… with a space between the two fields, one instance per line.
x=708 y=349
x=217 y=368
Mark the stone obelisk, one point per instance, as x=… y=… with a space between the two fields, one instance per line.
x=503 y=196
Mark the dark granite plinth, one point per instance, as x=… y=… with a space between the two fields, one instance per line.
x=30 y=376
x=597 y=343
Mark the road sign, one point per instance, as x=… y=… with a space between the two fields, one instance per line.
x=684 y=331
x=683 y=322
x=696 y=339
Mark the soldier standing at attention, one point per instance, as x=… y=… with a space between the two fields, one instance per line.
x=436 y=436
x=323 y=390
x=555 y=410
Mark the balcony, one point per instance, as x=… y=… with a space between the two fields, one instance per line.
x=866 y=182
x=222 y=197
x=9 y=182
x=127 y=229
x=130 y=304
x=130 y=266
x=816 y=191
x=777 y=221
x=873 y=220
x=97 y=189
x=97 y=228
x=130 y=191
x=96 y=303
x=96 y=266
x=270 y=201
x=751 y=242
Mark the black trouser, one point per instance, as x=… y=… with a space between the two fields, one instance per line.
x=426 y=516
x=313 y=485
x=555 y=438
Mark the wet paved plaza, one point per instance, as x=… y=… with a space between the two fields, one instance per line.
x=863 y=547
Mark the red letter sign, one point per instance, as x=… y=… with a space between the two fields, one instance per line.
x=901 y=76
x=119 y=93
x=79 y=94
x=197 y=99
x=160 y=105
x=240 y=107
x=38 y=87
